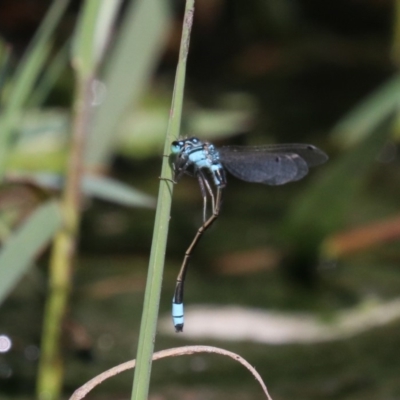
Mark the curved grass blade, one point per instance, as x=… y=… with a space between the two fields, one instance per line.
x=369 y=114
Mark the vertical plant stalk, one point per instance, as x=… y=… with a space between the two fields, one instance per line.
x=148 y=325
x=50 y=374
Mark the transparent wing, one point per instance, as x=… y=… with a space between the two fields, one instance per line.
x=271 y=164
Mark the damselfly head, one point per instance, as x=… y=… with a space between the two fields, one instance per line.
x=178 y=146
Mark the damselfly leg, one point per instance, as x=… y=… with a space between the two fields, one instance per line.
x=181 y=167
x=204 y=184
x=177 y=301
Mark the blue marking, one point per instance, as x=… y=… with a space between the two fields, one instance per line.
x=199 y=158
x=177 y=315
x=176 y=147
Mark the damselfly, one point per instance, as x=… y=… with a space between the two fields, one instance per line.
x=270 y=164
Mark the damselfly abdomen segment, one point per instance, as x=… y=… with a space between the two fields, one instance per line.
x=269 y=164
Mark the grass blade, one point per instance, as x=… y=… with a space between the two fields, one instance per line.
x=141 y=38
x=26 y=76
x=148 y=325
x=115 y=192
x=367 y=116
x=50 y=375
x=92 y=35
x=21 y=248
x=55 y=68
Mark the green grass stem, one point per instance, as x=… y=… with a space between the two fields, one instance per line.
x=50 y=374
x=148 y=326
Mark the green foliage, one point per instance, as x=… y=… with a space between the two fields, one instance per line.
x=25 y=77
x=24 y=245
x=42 y=135
x=324 y=205
x=92 y=35
x=116 y=192
x=46 y=150
x=369 y=114
x=128 y=70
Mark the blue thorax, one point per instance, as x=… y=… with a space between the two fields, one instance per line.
x=192 y=155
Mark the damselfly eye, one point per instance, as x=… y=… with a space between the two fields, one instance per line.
x=176 y=146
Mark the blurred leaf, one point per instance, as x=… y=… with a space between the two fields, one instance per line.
x=93 y=186
x=42 y=142
x=106 y=17
x=46 y=180
x=92 y=34
x=43 y=138
x=322 y=208
x=367 y=116
x=131 y=63
x=54 y=69
x=116 y=192
x=20 y=249
x=26 y=76
x=53 y=161
x=5 y=64
x=83 y=49
x=362 y=238
x=142 y=132
x=43 y=130
x=217 y=124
